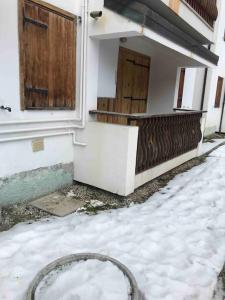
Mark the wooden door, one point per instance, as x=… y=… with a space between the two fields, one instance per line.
x=181 y=88
x=132 y=82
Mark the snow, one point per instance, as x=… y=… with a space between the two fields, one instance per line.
x=84 y=281
x=206 y=147
x=174 y=243
x=96 y=203
x=71 y=194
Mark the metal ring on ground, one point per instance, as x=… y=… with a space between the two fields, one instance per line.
x=135 y=295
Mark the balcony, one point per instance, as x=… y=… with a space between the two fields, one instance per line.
x=206 y=9
x=161 y=137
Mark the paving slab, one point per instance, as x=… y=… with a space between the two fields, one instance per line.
x=58 y=204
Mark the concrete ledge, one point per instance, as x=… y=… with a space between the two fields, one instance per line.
x=29 y=185
x=209 y=130
x=157 y=171
x=108 y=162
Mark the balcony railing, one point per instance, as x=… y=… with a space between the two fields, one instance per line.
x=164 y=137
x=207 y=9
x=161 y=137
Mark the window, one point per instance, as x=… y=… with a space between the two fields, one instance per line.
x=219 y=91
x=47 y=56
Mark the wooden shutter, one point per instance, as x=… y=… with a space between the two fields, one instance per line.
x=124 y=81
x=48 y=63
x=181 y=88
x=132 y=82
x=141 y=69
x=218 y=91
x=174 y=5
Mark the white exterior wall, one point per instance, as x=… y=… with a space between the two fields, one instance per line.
x=193 y=88
x=163 y=83
x=166 y=1
x=10 y=96
x=18 y=156
x=214 y=114
x=193 y=19
x=166 y=57
x=108 y=61
x=194 y=80
x=189 y=88
x=187 y=13
x=162 y=87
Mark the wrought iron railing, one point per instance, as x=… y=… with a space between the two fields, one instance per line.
x=165 y=137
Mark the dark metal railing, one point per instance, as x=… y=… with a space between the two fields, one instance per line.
x=165 y=137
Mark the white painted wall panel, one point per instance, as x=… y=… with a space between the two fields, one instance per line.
x=108 y=61
x=109 y=160
x=18 y=156
x=214 y=114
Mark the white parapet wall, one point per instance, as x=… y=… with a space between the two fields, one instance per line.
x=109 y=159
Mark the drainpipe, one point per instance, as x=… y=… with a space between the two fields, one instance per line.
x=84 y=60
x=204 y=89
x=82 y=108
x=29 y=137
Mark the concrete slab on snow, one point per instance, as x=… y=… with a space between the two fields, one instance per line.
x=58 y=204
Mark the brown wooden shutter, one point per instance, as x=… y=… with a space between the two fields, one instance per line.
x=174 y=5
x=181 y=88
x=48 y=45
x=218 y=92
x=141 y=66
x=132 y=82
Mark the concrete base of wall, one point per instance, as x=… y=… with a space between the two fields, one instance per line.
x=209 y=130
x=29 y=185
x=157 y=171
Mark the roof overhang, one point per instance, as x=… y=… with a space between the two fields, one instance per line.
x=158 y=17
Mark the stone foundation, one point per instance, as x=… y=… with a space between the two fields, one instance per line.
x=32 y=184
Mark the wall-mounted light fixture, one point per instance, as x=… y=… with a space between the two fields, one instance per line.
x=96 y=14
x=123 y=39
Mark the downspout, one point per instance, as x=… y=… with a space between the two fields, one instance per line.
x=82 y=105
x=204 y=89
x=204 y=85
x=84 y=61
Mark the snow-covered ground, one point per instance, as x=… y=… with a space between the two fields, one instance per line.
x=174 y=243
x=210 y=145
x=87 y=280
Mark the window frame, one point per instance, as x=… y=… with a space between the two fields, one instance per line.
x=22 y=60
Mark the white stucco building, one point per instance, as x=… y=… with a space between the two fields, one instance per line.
x=204 y=88
x=88 y=90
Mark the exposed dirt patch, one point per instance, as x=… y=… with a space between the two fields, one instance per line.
x=214 y=136
x=14 y=214
x=95 y=199
x=220 y=288
x=88 y=193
